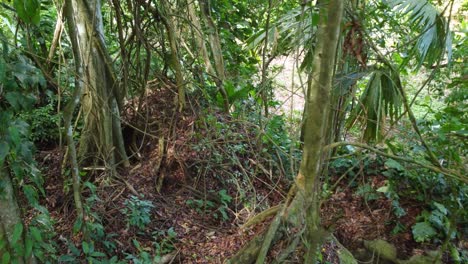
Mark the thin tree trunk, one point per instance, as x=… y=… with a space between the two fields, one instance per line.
x=264 y=87
x=175 y=63
x=316 y=119
x=199 y=39
x=305 y=204
x=69 y=110
x=216 y=50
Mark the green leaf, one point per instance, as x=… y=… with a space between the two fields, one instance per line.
x=28 y=10
x=39 y=254
x=36 y=234
x=434 y=39
x=440 y=207
x=171 y=233
x=3 y=243
x=423 y=231
x=393 y=164
x=437 y=219
x=74 y=250
x=31 y=194
x=383 y=189
x=454 y=253
x=17 y=231
x=77 y=225
x=29 y=246
x=225 y=198
x=136 y=244
x=67 y=258
x=98 y=254
x=380 y=99
x=4 y=150
x=14 y=99
x=14 y=134
x=85 y=247
x=224 y=214
x=6 y=258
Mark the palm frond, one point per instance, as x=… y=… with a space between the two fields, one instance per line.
x=380 y=100
x=434 y=39
x=282 y=35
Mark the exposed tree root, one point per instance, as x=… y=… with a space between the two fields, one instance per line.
x=344 y=254
x=248 y=254
x=256 y=249
x=261 y=216
x=290 y=249
x=269 y=237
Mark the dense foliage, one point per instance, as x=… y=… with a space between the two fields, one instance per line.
x=398 y=117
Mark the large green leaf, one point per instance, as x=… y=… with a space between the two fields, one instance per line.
x=423 y=231
x=28 y=10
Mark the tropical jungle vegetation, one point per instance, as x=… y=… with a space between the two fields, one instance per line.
x=216 y=131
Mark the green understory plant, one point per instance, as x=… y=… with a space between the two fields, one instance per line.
x=138 y=212
x=19 y=81
x=445 y=202
x=44 y=122
x=163 y=243
x=218 y=210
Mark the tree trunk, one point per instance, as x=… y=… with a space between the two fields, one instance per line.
x=101 y=138
x=199 y=38
x=175 y=63
x=305 y=204
x=69 y=110
x=9 y=216
x=216 y=50
x=316 y=118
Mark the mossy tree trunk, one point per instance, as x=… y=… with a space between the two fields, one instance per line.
x=101 y=140
x=216 y=50
x=174 y=62
x=199 y=37
x=9 y=217
x=318 y=101
x=302 y=212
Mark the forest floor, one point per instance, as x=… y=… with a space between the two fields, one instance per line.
x=164 y=172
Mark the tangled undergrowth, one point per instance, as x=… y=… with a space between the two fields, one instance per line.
x=196 y=177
